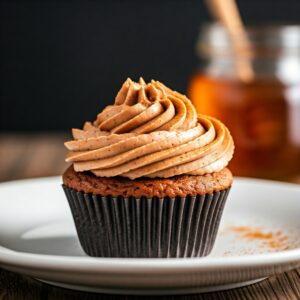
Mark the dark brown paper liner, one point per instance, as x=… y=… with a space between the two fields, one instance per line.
x=139 y=227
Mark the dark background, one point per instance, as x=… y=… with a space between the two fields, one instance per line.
x=63 y=61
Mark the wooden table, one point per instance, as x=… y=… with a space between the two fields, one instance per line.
x=24 y=156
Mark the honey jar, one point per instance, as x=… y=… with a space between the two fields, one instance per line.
x=263 y=113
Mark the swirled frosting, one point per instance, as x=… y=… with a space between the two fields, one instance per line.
x=150 y=131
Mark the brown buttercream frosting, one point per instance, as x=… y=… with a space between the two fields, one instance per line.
x=150 y=131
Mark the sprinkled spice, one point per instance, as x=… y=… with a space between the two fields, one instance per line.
x=272 y=240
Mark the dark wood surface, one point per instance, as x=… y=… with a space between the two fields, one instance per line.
x=25 y=156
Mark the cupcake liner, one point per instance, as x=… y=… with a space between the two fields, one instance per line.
x=141 y=227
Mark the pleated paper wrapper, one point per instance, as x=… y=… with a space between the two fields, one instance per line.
x=141 y=227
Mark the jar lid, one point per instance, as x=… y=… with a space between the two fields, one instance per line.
x=265 y=40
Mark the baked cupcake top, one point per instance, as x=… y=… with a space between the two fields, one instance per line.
x=150 y=131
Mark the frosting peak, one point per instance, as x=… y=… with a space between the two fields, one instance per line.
x=143 y=108
x=150 y=131
x=132 y=93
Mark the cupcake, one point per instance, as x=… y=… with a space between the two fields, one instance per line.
x=148 y=176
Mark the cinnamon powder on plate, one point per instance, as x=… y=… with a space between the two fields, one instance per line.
x=273 y=240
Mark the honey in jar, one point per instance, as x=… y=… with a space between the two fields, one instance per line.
x=263 y=114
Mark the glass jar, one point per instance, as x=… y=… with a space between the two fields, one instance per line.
x=263 y=114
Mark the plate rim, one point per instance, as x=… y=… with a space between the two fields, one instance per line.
x=150 y=265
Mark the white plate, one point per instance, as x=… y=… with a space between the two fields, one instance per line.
x=38 y=238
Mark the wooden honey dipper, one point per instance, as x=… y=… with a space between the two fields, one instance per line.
x=227 y=13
